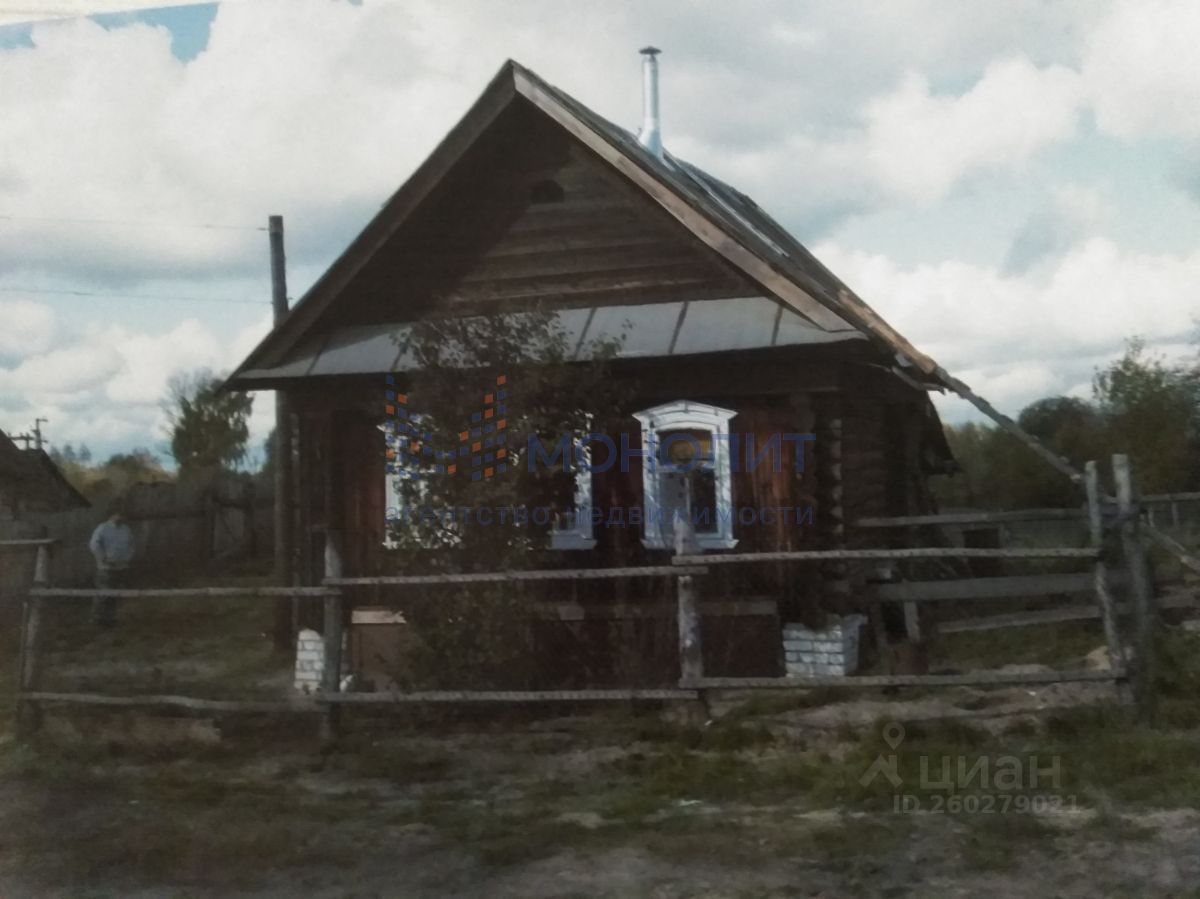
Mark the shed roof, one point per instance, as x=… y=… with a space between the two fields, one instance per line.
x=33 y=475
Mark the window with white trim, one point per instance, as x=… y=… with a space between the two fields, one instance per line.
x=686 y=474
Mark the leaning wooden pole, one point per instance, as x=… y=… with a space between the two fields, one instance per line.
x=1059 y=464
x=285 y=615
x=1144 y=611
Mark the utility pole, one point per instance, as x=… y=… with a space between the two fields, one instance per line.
x=37 y=431
x=284 y=538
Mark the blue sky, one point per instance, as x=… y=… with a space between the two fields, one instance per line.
x=1014 y=186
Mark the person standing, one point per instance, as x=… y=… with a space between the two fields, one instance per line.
x=113 y=547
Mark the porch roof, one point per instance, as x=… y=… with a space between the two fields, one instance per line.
x=645 y=331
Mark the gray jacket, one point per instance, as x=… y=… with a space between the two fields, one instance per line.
x=112 y=545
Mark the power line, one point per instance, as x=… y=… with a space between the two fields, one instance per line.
x=131 y=296
x=130 y=223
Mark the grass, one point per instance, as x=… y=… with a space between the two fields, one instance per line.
x=1057 y=645
x=212 y=647
x=1001 y=842
x=734 y=792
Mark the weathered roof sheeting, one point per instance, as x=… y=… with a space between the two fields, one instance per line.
x=643 y=330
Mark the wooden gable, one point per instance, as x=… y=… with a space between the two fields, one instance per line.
x=532 y=217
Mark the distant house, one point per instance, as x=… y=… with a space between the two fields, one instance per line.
x=732 y=326
x=31 y=484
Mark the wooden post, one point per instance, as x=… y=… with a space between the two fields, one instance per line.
x=1112 y=635
x=29 y=716
x=284 y=538
x=331 y=676
x=691 y=658
x=1144 y=612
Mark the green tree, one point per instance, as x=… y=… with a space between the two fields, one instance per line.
x=457 y=362
x=1151 y=410
x=479 y=636
x=207 y=426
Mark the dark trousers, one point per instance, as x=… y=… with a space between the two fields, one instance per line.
x=104 y=608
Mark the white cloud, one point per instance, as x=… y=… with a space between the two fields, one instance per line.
x=1016 y=338
x=1141 y=72
x=105 y=383
x=25 y=327
x=920 y=145
x=43 y=10
x=318 y=110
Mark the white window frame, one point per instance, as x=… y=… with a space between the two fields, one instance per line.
x=686 y=415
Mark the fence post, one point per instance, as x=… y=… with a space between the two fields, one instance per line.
x=1112 y=635
x=691 y=660
x=29 y=714
x=1142 y=592
x=331 y=676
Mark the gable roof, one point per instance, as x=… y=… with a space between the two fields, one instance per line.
x=724 y=219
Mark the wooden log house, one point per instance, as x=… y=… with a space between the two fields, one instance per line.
x=731 y=325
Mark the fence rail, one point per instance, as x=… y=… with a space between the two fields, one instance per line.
x=182 y=592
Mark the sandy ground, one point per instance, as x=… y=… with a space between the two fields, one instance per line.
x=606 y=805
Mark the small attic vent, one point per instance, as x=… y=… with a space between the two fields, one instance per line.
x=546 y=192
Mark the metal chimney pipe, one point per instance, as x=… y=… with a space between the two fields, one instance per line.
x=650 y=136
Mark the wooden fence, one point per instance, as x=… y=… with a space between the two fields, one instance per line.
x=176 y=526
x=1126 y=527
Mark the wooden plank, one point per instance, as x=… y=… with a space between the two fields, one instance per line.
x=1047 y=616
x=937 y=552
x=973 y=518
x=27 y=712
x=192 y=703
x=332 y=634
x=498 y=577
x=597 y=611
x=968 y=679
x=29 y=653
x=16 y=544
x=691 y=655
x=1164 y=498
x=986 y=587
x=673 y=274
x=501 y=696
x=183 y=592
x=1142 y=592
x=1173 y=546
x=531 y=267
x=318 y=701
x=1104 y=600
x=1056 y=462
